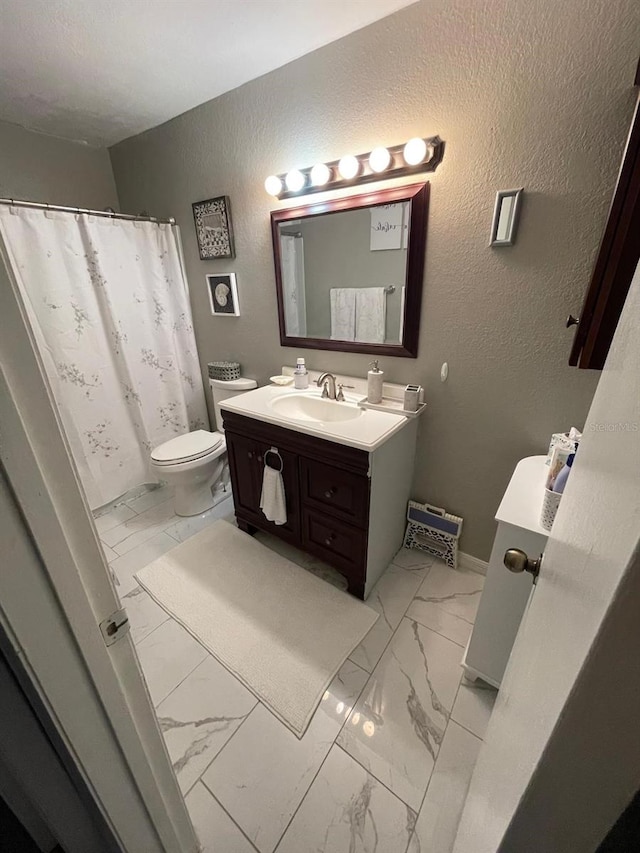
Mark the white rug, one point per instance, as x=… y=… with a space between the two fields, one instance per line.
x=283 y=632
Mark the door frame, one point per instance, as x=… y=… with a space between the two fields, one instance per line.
x=55 y=590
x=37 y=780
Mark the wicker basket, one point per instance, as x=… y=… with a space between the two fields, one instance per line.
x=550 y=504
x=225 y=370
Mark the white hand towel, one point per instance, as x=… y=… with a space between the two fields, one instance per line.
x=371 y=314
x=272 y=500
x=343 y=313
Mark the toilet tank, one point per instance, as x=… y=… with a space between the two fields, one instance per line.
x=222 y=389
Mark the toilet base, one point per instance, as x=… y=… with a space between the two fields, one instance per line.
x=192 y=500
x=193 y=481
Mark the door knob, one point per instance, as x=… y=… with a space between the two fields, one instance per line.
x=572 y=321
x=517 y=561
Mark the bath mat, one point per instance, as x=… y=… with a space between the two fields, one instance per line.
x=281 y=631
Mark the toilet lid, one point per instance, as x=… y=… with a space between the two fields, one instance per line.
x=187 y=447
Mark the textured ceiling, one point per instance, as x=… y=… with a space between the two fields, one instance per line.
x=103 y=70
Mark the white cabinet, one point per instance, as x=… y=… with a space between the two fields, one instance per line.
x=505 y=595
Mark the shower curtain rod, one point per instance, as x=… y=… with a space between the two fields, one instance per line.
x=109 y=213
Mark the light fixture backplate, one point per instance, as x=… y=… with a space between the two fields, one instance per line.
x=396 y=169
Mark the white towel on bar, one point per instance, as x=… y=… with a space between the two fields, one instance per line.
x=272 y=500
x=402 y=295
x=343 y=313
x=371 y=314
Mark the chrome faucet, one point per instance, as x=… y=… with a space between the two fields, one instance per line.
x=328 y=383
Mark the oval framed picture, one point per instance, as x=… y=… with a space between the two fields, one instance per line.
x=223 y=295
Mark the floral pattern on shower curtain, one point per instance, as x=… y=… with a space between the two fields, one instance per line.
x=108 y=303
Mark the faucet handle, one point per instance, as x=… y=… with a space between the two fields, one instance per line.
x=340 y=394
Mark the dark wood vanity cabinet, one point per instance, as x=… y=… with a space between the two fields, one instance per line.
x=327 y=489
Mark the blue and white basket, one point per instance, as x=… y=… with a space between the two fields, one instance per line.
x=433 y=530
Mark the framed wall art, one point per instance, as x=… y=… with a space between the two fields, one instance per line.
x=223 y=295
x=213 y=228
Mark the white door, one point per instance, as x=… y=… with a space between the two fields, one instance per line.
x=561 y=758
x=54 y=593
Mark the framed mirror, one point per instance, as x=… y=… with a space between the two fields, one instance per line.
x=349 y=272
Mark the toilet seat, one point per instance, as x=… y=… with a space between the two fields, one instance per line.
x=187 y=448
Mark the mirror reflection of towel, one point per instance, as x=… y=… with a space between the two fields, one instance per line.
x=343 y=313
x=371 y=314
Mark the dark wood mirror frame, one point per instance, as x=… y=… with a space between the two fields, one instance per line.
x=418 y=195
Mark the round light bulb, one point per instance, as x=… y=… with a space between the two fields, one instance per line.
x=273 y=185
x=379 y=159
x=349 y=167
x=295 y=180
x=414 y=151
x=320 y=175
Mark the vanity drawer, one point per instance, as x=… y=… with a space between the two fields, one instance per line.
x=339 y=544
x=336 y=491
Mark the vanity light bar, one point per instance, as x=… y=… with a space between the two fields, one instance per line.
x=416 y=155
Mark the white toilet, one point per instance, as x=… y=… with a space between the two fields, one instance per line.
x=193 y=463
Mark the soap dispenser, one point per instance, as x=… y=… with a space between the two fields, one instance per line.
x=374 y=383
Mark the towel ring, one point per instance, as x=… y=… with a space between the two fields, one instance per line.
x=274 y=450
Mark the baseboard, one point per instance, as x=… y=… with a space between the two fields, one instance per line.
x=472 y=564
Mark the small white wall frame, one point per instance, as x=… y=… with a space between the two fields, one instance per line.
x=505 y=217
x=223 y=294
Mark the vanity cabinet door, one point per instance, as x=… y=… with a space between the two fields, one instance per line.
x=245 y=466
x=291 y=488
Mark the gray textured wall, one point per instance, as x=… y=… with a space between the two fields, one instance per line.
x=337 y=254
x=37 y=167
x=526 y=93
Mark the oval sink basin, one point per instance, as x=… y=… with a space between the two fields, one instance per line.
x=312 y=407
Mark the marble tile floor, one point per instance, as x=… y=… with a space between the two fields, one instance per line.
x=386 y=761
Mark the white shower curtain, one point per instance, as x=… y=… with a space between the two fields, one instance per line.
x=295 y=307
x=108 y=303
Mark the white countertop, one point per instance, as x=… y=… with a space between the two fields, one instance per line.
x=366 y=432
x=522 y=502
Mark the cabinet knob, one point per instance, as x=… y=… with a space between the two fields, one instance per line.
x=250 y=454
x=572 y=321
x=330 y=492
x=330 y=539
